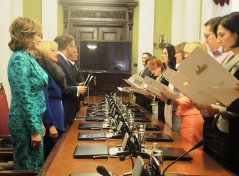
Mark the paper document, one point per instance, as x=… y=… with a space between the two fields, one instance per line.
x=88 y=79
x=131 y=89
x=203 y=79
x=124 y=89
x=157 y=88
x=188 y=88
x=136 y=81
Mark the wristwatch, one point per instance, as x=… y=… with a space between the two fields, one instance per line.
x=169 y=102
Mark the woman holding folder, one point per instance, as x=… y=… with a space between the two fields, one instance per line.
x=156 y=67
x=190 y=118
x=226 y=119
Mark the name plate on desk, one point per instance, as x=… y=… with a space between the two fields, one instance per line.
x=94 y=151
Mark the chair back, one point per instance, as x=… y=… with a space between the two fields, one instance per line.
x=4 y=111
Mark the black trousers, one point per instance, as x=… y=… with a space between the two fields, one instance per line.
x=49 y=142
x=226 y=150
x=208 y=135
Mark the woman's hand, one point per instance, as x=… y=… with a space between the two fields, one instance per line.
x=36 y=141
x=53 y=131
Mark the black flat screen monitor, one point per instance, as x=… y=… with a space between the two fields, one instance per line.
x=105 y=56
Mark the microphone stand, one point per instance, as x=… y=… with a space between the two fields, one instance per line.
x=123 y=157
x=198 y=144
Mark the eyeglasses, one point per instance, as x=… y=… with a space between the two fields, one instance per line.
x=207 y=36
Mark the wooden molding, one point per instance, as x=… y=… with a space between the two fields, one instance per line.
x=103 y=12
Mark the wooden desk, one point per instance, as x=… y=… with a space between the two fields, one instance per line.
x=61 y=161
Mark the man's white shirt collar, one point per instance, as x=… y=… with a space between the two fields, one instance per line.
x=73 y=63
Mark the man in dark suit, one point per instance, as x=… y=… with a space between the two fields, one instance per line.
x=141 y=99
x=78 y=76
x=67 y=47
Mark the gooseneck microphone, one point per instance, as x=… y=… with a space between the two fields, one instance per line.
x=123 y=157
x=102 y=170
x=198 y=144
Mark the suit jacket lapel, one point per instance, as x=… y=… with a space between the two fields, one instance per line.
x=68 y=68
x=145 y=72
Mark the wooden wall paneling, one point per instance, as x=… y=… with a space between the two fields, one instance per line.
x=109 y=20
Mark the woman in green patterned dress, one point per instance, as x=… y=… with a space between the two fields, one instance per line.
x=27 y=80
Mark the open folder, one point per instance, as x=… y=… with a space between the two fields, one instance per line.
x=203 y=79
x=157 y=88
x=136 y=81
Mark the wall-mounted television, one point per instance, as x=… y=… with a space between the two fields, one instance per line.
x=105 y=56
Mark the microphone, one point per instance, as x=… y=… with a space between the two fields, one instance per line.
x=123 y=157
x=102 y=170
x=198 y=144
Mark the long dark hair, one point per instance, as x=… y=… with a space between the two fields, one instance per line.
x=171 y=56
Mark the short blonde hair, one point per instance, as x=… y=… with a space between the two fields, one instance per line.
x=22 y=31
x=189 y=47
x=46 y=46
x=180 y=47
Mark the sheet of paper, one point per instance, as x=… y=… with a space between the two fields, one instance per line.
x=157 y=88
x=209 y=76
x=136 y=81
x=190 y=89
x=88 y=79
x=169 y=73
x=125 y=89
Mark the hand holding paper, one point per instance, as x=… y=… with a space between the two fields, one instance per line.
x=136 y=81
x=157 y=88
